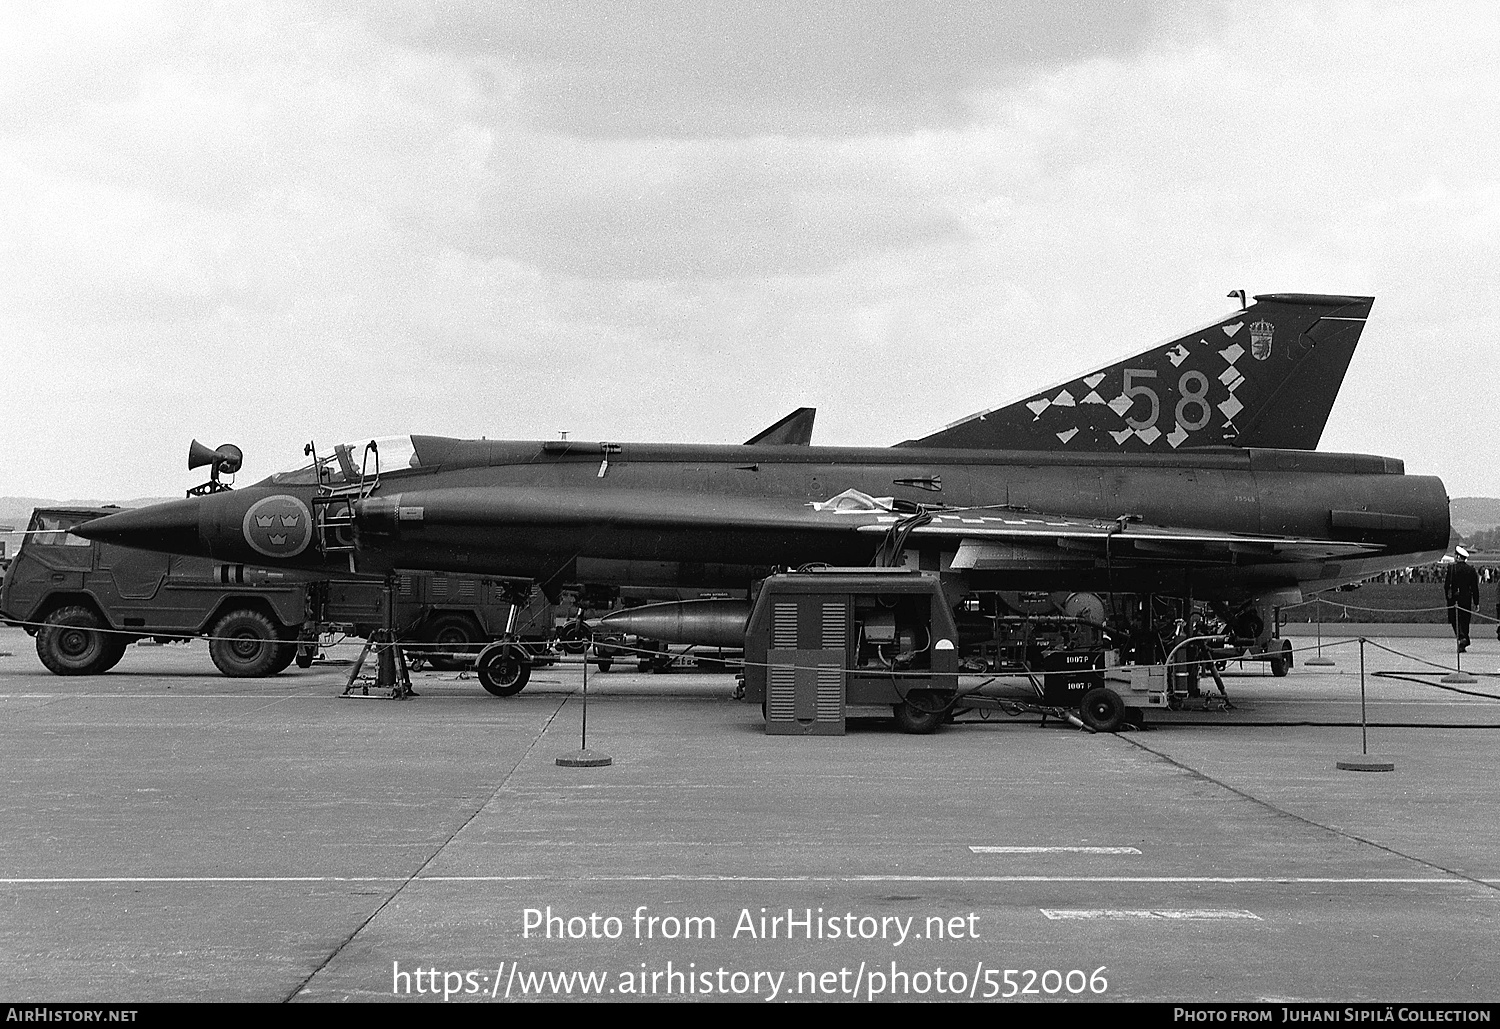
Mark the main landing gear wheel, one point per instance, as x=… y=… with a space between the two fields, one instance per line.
x=922 y=712
x=1282 y=662
x=1102 y=709
x=72 y=641
x=502 y=671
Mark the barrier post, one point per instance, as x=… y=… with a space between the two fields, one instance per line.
x=1458 y=674
x=583 y=757
x=1364 y=763
x=1319 y=661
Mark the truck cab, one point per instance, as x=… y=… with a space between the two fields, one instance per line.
x=86 y=602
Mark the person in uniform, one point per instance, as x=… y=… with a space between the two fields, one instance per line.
x=1461 y=590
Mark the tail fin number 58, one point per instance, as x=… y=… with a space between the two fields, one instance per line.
x=1193 y=390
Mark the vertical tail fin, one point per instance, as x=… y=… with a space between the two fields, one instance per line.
x=793 y=430
x=1265 y=376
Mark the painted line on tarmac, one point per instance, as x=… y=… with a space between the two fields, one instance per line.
x=1054 y=850
x=1250 y=880
x=208 y=880
x=162 y=696
x=1117 y=915
x=1145 y=879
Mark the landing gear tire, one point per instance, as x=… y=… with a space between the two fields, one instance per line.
x=1102 y=709
x=447 y=634
x=246 y=645
x=603 y=666
x=922 y=712
x=1282 y=662
x=73 y=641
x=305 y=657
x=502 y=672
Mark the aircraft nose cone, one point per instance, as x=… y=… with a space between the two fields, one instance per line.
x=171 y=527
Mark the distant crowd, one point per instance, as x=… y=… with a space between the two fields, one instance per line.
x=1433 y=573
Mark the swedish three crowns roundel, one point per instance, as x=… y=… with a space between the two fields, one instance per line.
x=279 y=526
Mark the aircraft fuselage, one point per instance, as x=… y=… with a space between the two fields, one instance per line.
x=706 y=515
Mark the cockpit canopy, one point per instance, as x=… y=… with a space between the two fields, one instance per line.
x=349 y=462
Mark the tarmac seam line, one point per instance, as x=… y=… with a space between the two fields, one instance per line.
x=407 y=880
x=257 y=710
x=1224 y=880
x=1309 y=821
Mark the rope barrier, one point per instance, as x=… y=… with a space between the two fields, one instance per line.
x=170 y=635
x=1473 y=613
x=1420 y=660
x=1441 y=686
x=623 y=649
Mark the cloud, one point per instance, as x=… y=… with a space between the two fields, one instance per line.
x=682 y=210
x=265 y=222
x=660 y=68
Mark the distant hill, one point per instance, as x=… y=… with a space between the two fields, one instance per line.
x=1471 y=514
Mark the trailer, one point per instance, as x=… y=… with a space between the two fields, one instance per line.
x=821 y=642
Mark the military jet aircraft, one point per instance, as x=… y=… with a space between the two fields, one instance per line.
x=1139 y=513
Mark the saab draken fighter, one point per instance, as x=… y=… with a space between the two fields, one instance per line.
x=1185 y=471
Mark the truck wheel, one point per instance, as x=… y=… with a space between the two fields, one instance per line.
x=118 y=645
x=503 y=673
x=1102 y=709
x=285 y=654
x=246 y=645
x=922 y=712
x=449 y=634
x=1282 y=662
x=72 y=641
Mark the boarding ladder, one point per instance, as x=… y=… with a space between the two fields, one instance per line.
x=333 y=506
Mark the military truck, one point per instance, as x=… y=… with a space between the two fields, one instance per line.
x=86 y=602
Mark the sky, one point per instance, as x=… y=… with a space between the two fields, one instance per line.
x=268 y=223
